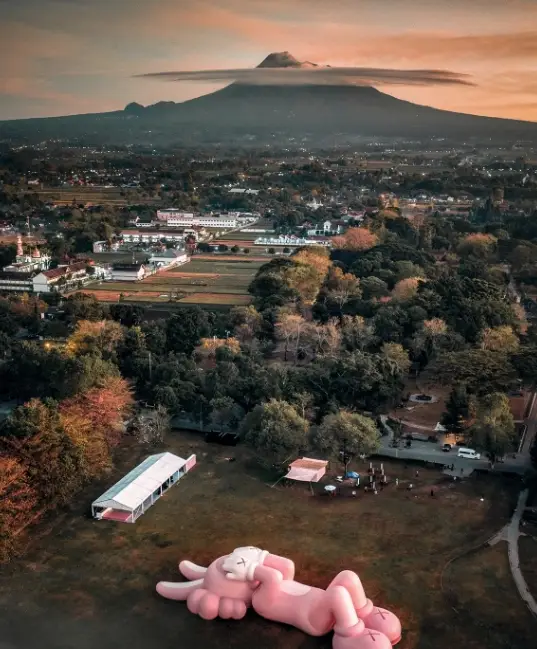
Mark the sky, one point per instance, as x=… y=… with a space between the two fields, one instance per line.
x=63 y=57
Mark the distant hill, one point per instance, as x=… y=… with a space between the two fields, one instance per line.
x=266 y=114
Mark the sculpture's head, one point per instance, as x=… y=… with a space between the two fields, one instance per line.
x=240 y=564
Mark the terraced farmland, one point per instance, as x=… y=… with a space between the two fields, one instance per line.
x=206 y=280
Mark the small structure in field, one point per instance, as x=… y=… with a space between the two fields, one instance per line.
x=307 y=470
x=129 y=498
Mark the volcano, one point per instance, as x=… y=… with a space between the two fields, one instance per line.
x=271 y=114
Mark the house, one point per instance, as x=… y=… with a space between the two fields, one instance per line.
x=327 y=228
x=128 y=272
x=169 y=258
x=61 y=278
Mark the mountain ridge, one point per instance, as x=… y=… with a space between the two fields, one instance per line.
x=265 y=113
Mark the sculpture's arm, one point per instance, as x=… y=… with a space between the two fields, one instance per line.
x=281 y=564
x=269 y=584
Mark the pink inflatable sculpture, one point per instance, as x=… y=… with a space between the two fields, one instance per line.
x=253 y=577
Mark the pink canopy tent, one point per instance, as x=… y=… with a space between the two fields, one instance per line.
x=307 y=470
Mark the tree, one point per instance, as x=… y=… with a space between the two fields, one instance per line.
x=355 y=239
x=150 y=428
x=235 y=249
x=91 y=443
x=348 y=433
x=342 y=287
x=127 y=314
x=246 y=322
x=525 y=363
x=481 y=370
x=457 y=413
x=18 y=503
x=373 y=287
x=101 y=336
x=477 y=245
x=289 y=328
x=225 y=413
x=406 y=289
x=185 y=329
x=500 y=339
x=494 y=426
x=209 y=346
x=323 y=339
x=275 y=430
x=104 y=407
x=398 y=355
x=356 y=333
x=82 y=306
x=38 y=441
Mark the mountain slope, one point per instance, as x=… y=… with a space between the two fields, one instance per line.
x=264 y=113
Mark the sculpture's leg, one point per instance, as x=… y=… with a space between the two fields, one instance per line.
x=349 y=631
x=378 y=619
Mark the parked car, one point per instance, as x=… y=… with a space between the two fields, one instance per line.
x=468 y=453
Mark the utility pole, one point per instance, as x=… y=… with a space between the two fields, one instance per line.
x=150 y=367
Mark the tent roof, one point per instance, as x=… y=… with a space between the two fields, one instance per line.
x=307 y=470
x=141 y=482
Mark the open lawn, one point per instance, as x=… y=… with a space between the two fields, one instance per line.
x=88 y=584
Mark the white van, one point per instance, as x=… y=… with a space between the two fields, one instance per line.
x=468 y=453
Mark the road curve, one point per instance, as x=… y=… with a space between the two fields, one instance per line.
x=513 y=532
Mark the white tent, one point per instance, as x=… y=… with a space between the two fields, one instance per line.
x=137 y=491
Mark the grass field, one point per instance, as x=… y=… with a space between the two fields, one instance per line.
x=96 y=195
x=219 y=281
x=88 y=584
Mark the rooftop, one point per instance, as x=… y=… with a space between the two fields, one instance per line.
x=141 y=482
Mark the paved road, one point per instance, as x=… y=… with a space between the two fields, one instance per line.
x=432 y=452
x=513 y=532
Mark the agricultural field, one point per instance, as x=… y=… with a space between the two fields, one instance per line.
x=114 y=196
x=86 y=583
x=206 y=280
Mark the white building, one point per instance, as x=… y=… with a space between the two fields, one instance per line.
x=203 y=222
x=164 y=215
x=290 y=241
x=17 y=281
x=169 y=258
x=328 y=228
x=154 y=236
x=129 y=498
x=128 y=272
x=62 y=278
x=178 y=219
x=239 y=190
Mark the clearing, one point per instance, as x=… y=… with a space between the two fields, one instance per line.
x=88 y=584
x=218 y=281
